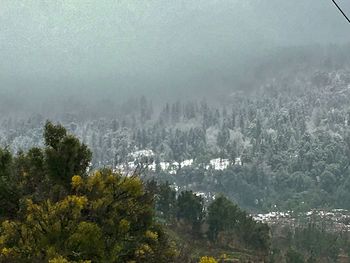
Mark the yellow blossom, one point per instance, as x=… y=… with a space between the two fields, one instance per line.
x=207 y=260
x=124 y=225
x=151 y=235
x=6 y=251
x=77 y=182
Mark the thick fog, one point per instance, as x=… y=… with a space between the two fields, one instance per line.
x=66 y=53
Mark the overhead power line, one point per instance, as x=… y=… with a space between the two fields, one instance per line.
x=341 y=11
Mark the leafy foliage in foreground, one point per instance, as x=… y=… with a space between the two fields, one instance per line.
x=108 y=219
x=53 y=211
x=104 y=217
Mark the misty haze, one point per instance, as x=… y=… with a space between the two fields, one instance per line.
x=174 y=131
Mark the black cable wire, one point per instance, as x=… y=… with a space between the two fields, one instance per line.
x=341 y=11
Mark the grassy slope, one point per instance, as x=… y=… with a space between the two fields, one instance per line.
x=199 y=247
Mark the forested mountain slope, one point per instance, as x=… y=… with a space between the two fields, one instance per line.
x=290 y=138
x=54 y=210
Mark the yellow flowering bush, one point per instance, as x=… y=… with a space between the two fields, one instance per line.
x=207 y=260
x=151 y=235
x=77 y=182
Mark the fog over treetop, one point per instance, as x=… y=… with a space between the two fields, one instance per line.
x=119 y=48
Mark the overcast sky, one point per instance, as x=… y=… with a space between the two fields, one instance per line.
x=141 y=44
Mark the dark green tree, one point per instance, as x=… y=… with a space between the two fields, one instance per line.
x=223 y=215
x=65 y=155
x=190 y=208
x=166 y=201
x=9 y=194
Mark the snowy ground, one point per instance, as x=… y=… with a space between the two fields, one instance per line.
x=337 y=220
x=147 y=156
